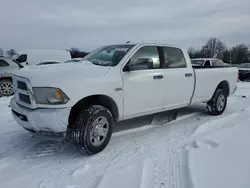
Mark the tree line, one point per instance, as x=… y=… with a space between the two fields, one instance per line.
x=9 y=53
x=215 y=48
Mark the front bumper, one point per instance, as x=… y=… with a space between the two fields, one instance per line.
x=41 y=120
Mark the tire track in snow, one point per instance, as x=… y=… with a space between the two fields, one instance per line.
x=45 y=175
x=176 y=136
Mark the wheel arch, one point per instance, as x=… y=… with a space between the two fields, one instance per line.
x=224 y=85
x=6 y=78
x=103 y=100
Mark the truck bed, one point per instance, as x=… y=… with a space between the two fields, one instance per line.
x=207 y=79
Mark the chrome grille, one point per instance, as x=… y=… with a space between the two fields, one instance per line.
x=22 y=85
x=24 y=98
x=23 y=92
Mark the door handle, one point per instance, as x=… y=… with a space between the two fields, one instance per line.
x=188 y=74
x=158 y=77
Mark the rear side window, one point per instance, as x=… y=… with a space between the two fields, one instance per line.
x=22 y=58
x=173 y=58
x=3 y=63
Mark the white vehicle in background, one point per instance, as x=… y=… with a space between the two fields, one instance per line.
x=244 y=71
x=112 y=84
x=35 y=56
x=7 y=68
x=208 y=62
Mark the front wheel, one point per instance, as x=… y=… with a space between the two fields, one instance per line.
x=217 y=105
x=93 y=129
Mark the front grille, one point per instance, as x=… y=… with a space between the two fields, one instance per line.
x=22 y=85
x=23 y=92
x=24 y=98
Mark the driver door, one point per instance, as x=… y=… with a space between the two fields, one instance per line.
x=143 y=83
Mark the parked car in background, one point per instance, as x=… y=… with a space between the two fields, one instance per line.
x=74 y=60
x=35 y=56
x=244 y=71
x=7 y=68
x=112 y=84
x=49 y=63
x=208 y=62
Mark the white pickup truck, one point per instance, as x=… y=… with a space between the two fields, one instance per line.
x=112 y=84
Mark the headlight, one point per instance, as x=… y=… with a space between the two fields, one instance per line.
x=47 y=95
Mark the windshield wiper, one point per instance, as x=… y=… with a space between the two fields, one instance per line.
x=99 y=62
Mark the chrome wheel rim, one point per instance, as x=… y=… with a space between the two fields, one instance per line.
x=6 y=88
x=99 y=131
x=221 y=102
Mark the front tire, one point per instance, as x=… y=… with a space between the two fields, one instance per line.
x=93 y=129
x=217 y=105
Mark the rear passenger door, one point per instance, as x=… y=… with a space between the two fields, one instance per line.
x=178 y=78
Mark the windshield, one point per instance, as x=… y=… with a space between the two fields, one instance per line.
x=197 y=62
x=108 y=55
x=244 y=65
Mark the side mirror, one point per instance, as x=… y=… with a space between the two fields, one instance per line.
x=140 y=64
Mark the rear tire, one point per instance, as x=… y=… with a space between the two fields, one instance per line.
x=217 y=105
x=6 y=88
x=93 y=129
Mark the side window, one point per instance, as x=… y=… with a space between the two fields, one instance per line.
x=174 y=58
x=22 y=58
x=207 y=63
x=146 y=57
x=3 y=63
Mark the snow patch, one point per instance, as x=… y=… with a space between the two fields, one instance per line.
x=122 y=133
x=147 y=173
x=215 y=123
x=3 y=165
x=185 y=175
x=129 y=176
x=80 y=171
x=196 y=144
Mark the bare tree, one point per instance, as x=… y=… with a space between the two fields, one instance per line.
x=227 y=58
x=76 y=53
x=239 y=54
x=194 y=53
x=1 y=52
x=214 y=48
x=11 y=53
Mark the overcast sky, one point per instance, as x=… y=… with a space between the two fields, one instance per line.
x=61 y=24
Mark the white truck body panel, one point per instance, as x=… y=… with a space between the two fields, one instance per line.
x=135 y=93
x=207 y=81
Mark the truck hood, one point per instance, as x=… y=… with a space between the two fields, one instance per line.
x=53 y=75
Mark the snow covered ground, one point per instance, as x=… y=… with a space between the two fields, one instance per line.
x=196 y=150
